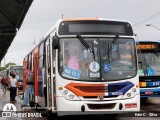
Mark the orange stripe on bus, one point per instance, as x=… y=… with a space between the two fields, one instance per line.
x=86 y=89
x=36 y=71
x=76 y=19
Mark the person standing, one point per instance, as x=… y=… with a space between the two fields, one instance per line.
x=13 y=89
x=29 y=86
x=4 y=83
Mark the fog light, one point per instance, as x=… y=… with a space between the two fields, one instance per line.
x=128 y=94
x=83 y=108
x=120 y=106
x=65 y=92
x=71 y=96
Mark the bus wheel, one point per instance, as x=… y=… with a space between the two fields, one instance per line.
x=51 y=116
x=45 y=96
x=144 y=100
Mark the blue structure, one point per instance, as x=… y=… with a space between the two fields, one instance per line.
x=149 y=68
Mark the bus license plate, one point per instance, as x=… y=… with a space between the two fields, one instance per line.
x=148 y=92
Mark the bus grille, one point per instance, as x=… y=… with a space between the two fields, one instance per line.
x=101 y=106
x=92 y=89
x=95 y=97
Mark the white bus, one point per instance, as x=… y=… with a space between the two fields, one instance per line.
x=86 y=65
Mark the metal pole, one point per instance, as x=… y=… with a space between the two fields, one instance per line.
x=153 y=26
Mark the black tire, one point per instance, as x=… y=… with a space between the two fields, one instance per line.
x=144 y=100
x=45 y=96
x=51 y=116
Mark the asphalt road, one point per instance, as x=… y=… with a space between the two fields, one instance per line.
x=148 y=111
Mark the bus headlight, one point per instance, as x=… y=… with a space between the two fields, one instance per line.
x=133 y=89
x=128 y=94
x=71 y=96
x=67 y=94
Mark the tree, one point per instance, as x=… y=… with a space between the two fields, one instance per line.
x=2 y=68
x=8 y=64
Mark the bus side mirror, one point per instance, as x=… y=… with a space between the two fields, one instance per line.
x=55 y=42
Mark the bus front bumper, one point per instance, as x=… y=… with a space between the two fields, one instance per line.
x=150 y=92
x=66 y=107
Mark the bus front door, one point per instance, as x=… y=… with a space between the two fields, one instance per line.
x=50 y=100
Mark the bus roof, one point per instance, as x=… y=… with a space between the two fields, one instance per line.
x=78 y=19
x=148 y=41
x=101 y=19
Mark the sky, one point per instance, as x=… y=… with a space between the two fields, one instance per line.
x=43 y=14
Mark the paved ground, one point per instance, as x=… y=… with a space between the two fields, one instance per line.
x=152 y=105
x=4 y=99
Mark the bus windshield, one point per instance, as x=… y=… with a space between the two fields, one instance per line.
x=4 y=73
x=107 y=61
x=18 y=72
x=150 y=65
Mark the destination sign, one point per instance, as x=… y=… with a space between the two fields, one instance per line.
x=146 y=46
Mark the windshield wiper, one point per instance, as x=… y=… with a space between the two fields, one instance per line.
x=86 y=45
x=157 y=53
x=113 y=42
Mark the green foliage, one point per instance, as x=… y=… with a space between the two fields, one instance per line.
x=8 y=64
x=2 y=68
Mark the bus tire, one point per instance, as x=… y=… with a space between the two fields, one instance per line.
x=51 y=116
x=144 y=100
x=45 y=95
